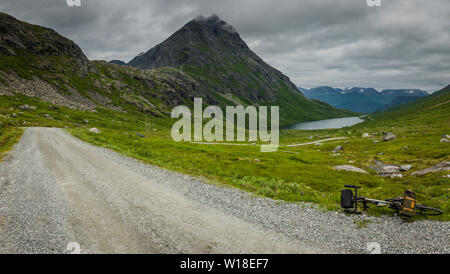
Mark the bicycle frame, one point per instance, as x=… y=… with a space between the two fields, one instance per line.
x=355 y=200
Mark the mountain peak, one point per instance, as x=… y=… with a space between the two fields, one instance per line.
x=211 y=51
x=213 y=22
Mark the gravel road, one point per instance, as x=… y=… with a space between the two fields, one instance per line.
x=56 y=190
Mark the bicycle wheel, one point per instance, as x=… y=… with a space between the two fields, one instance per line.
x=426 y=210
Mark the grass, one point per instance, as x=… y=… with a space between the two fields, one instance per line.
x=9 y=135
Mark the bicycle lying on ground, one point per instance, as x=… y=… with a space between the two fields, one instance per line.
x=406 y=205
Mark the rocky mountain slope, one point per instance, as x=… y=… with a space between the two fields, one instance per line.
x=364 y=100
x=213 y=53
x=206 y=58
x=38 y=62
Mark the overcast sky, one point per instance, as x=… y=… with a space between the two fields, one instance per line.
x=340 y=43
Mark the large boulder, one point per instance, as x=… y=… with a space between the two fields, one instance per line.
x=388 y=136
x=349 y=168
x=442 y=166
x=95 y=130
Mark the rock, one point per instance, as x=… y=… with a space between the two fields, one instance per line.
x=318 y=144
x=397 y=175
x=14 y=115
x=349 y=168
x=311 y=137
x=25 y=107
x=388 y=136
x=47 y=116
x=86 y=121
x=445 y=136
x=351 y=161
x=336 y=154
x=257 y=160
x=375 y=141
x=381 y=153
x=338 y=148
x=95 y=130
x=443 y=166
x=405 y=167
x=385 y=169
x=365 y=135
x=32 y=107
x=389 y=169
x=443 y=140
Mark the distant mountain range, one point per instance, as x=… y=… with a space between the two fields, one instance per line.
x=363 y=100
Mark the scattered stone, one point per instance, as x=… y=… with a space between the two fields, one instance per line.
x=443 y=166
x=14 y=115
x=397 y=175
x=338 y=148
x=349 y=168
x=336 y=154
x=445 y=136
x=86 y=121
x=375 y=141
x=381 y=153
x=446 y=176
x=311 y=137
x=32 y=107
x=48 y=116
x=385 y=169
x=257 y=160
x=25 y=107
x=443 y=140
x=405 y=167
x=351 y=162
x=365 y=135
x=389 y=169
x=95 y=130
x=318 y=144
x=388 y=136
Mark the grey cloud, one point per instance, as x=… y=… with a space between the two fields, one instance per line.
x=401 y=44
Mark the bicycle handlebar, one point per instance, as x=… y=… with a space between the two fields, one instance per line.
x=352 y=186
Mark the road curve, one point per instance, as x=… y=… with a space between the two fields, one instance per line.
x=57 y=190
